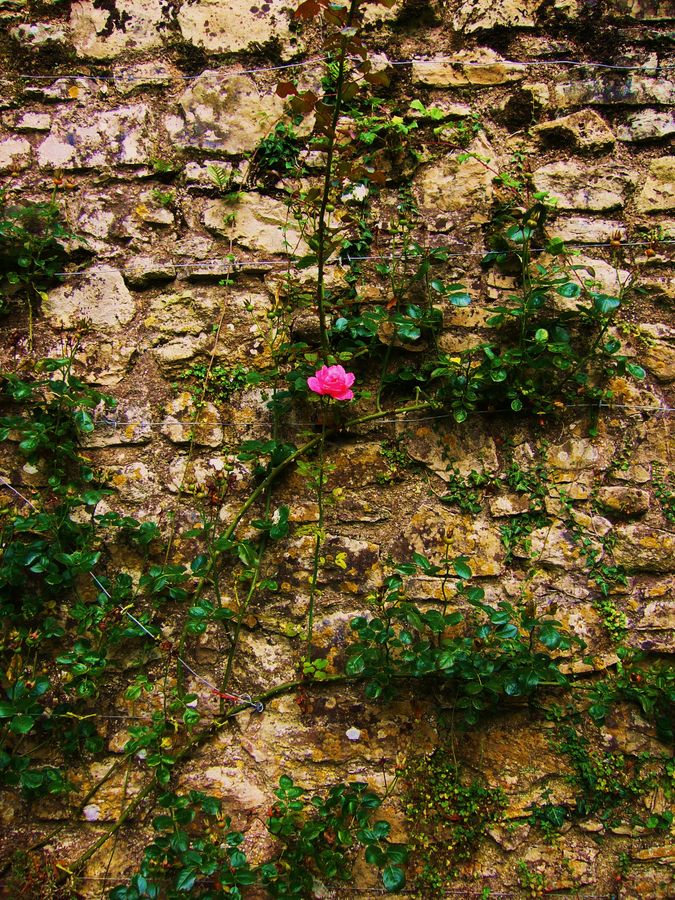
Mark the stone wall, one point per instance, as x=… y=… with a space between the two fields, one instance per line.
x=119 y=109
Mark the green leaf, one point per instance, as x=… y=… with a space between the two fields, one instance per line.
x=186 y=879
x=570 y=289
x=393 y=878
x=635 y=370
x=461 y=568
x=604 y=304
x=356 y=664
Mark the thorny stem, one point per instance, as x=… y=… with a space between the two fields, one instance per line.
x=327 y=184
x=319 y=537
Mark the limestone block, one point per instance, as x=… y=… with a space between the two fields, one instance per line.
x=36 y=35
x=15 y=154
x=445 y=448
x=34 y=121
x=442 y=534
x=66 y=90
x=600 y=275
x=145 y=271
x=131 y=424
x=467 y=68
x=658 y=191
x=130 y=79
x=232 y=27
x=261 y=223
x=116 y=137
x=647 y=125
x=580 y=230
x=584 y=131
x=223 y=115
x=450 y=190
x=577 y=454
x=644 y=10
x=613 y=90
x=184 y=422
x=479 y=15
x=105 y=31
x=658 y=356
x=644 y=548
x=624 y=501
x=577 y=186
x=99 y=297
x=105 y=362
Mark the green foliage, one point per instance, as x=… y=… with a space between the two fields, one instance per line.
x=320 y=838
x=609 y=783
x=276 y=155
x=447 y=817
x=217 y=383
x=193 y=853
x=546 y=356
x=664 y=491
x=650 y=687
x=32 y=248
x=504 y=651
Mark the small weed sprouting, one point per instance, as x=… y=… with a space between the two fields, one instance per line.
x=447 y=816
x=663 y=482
x=217 y=383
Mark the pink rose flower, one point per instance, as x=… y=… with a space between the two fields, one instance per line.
x=332 y=381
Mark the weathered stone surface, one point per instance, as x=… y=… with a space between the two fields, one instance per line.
x=441 y=534
x=34 y=121
x=117 y=137
x=464 y=447
x=644 y=10
x=576 y=186
x=104 y=31
x=36 y=35
x=647 y=125
x=132 y=424
x=585 y=131
x=450 y=191
x=613 y=90
x=577 y=454
x=15 y=154
x=641 y=548
x=481 y=68
x=100 y=298
x=625 y=501
x=223 y=115
x=232 y=27
x=145 y=271
x=130 y=79
x=579 y=230
x=105 y=362
x=479 y=15
x=600 y=276
x=658 y=354
x=186 y=422
x=260 y=223
x=658 y=193
x=65 y=90
x=187 y=312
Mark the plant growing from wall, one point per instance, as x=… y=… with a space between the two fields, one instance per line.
x=33 y=239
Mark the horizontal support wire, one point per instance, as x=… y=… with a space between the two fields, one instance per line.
x=314 y=61
x=232 y=264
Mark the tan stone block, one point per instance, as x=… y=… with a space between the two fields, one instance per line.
x=658 y=192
